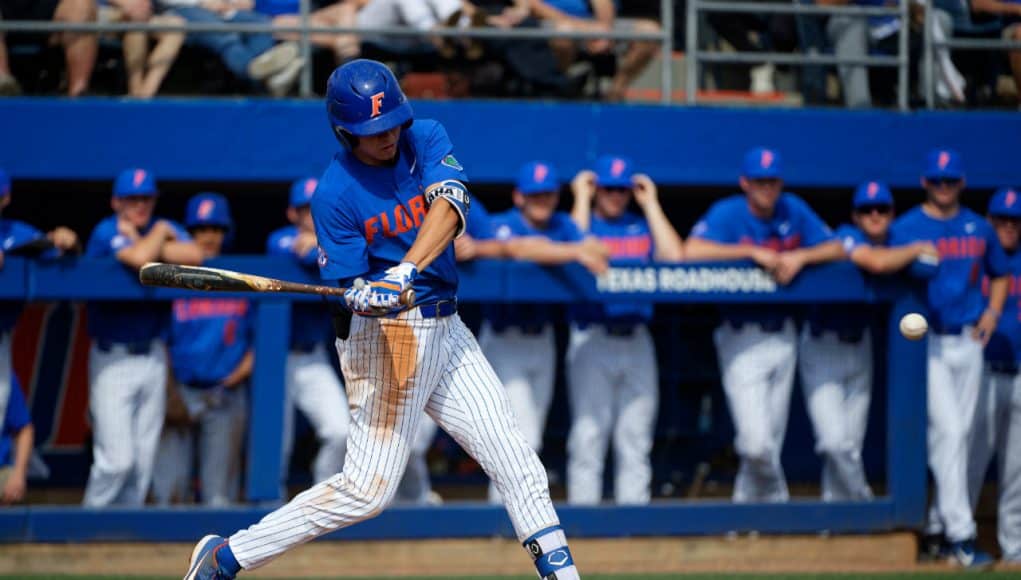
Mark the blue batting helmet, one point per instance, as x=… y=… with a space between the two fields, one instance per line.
x=364 y=98
x=208 y=209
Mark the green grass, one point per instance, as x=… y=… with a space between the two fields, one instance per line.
x=720 y=576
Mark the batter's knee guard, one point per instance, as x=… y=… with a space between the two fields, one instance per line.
x=551 y=555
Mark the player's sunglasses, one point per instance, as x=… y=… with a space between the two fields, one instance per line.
x=945 y=181
x=870 y=209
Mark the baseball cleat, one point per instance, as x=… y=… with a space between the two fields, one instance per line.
x=966 y=555
x=203 y=565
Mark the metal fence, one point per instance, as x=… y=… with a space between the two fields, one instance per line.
x=696 y=56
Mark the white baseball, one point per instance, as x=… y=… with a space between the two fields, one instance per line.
x=913 y=326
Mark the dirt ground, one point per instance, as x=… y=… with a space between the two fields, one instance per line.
x=875 y=553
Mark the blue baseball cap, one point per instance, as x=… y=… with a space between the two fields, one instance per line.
x=208 y=209
x=134 y=182
x=943 y=164
x=1006 y=202
x=761 y=163
x=614 y=171
x=5 y=183
x=302 y=191
x=537 y=177
x=872 y=193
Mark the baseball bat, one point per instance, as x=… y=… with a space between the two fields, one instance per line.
x=218 y=280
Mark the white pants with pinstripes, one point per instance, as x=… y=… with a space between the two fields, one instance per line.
x=394 y=369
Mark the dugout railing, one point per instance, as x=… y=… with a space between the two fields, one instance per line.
x=901 y=507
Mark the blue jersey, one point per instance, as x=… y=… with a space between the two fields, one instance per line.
x=15 y=419
x=1005 y=344
x=13 y=234
x=275 y=7
x=884 y=26
x=512 y=224
x=968 y=251
x=480 y=223
x=849 y=320
x=367 y=217
x=310 y=322
x=576 y=8
x=793 y=225
x=208 y=338
x=630 y=242
x=124 y=322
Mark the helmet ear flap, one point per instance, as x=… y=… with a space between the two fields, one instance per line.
x=346 y=139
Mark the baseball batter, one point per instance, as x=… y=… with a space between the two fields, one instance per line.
x=613 y=378
x=386 y=210
x=210 y=344
x=997 y=428
x=835 y=354
x=312 y=386
x=518 y=338
x=756 y=347
x=128 y=361
x=19 y=238
x=961 y=323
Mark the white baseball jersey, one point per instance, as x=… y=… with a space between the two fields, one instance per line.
x=127 y=402
x=313 y=388
x=395 y=369
x=836 y=376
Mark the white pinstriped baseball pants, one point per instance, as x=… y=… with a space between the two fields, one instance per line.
x=395 y=369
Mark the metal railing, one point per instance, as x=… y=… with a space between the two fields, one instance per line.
x=695 y=55
x=664 y=37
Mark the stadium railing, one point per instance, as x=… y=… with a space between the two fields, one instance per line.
x=902 y=506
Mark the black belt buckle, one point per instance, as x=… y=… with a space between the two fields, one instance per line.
x=620 y=330
x=438 y=309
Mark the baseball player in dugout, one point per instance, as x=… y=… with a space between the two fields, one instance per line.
x=613 y=382
x=835 y=354
x=312 y=386
x=997 y=428
x=518 y=338
x=961 y=323
x=18 y=238
x=757 y=347
x=128 y=359
x=210 y=343
x=386 y=212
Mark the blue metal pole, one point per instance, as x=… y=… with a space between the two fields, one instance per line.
x=266 y=424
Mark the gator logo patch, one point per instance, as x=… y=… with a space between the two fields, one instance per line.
x=451 y=162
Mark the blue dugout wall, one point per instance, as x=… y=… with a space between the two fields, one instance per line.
x=253 y=140
x=903 y=506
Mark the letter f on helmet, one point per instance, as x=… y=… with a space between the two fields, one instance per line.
x=364 y=98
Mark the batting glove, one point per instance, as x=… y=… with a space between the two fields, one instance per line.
x=382 y=296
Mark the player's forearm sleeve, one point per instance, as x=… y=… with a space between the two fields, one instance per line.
x=455 y=193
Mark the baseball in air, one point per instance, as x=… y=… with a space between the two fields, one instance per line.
x=913 y=326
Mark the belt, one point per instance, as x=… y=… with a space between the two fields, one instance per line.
x=304 y=347
x=134 y=347
x=619 y=329
x=1003 y=366
x=848 y=335
x=440 y=309
x=770 y=326
x=955 y=329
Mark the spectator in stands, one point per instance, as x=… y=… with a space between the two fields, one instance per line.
x=613 y=383
x=325 y=13
x=856 y=37
x=79 y=49
x=16 y=438
x=127 y=361
x=145 y=69
x=211 y=353
x=599 y=16
x=421 y=15
x=253 y=57
x=756 y=347
x=1010 y=12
